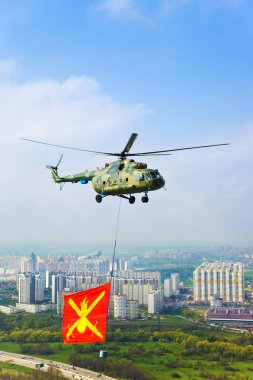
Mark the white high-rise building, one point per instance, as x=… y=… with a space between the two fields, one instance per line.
x=40 y=264
x=26 y=288
x=58 y=284
x=137 y=292
x=120 y=307
x=223 y=280
x=23 y=288
x=168 y=287
x=175 y=282
x=155 y=301
x=28 y=264
x=71 y=283
x=48 y=279
x=39 y=288
x=132 y=309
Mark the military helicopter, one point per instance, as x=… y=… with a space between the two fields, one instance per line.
x=121 y=178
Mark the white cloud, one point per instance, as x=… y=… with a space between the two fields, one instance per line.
x=53 y=109
x=74 y=112
x=150 y=10
x=118 y=8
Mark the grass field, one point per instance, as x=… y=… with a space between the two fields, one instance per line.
x=162 y=366
x=11 y=369
x=161 y=360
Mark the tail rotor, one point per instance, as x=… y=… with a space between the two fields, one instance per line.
x=55 y=167
x=54 y=170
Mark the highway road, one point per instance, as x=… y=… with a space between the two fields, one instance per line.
x=67 y=370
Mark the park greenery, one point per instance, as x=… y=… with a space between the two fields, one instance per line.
x=143 y=350
x=10 y=372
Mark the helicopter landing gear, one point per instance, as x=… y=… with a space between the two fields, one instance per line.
x=144 y=199
x=131 y=199
x=98 y=198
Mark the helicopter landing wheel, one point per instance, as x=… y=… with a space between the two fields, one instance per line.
x=98 y=198
x=131 y=199
x=144 y=199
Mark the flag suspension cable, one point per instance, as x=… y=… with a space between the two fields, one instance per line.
x=115 y=242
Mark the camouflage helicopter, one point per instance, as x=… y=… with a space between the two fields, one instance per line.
x=121 y=178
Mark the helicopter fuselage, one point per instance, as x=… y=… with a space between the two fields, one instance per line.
x=118 y=178
x=126 y=177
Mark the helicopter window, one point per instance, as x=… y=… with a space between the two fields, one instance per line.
x=153 y=176
x=147 y=176
x=126 y=179
x=113 y=169
x=141 y=177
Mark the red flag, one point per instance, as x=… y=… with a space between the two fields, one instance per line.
x=85 y=315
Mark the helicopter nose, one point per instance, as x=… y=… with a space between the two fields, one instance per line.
x=159 y=182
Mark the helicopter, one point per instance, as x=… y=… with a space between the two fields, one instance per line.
x=123 y=177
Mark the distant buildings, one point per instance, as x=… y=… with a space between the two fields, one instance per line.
x=231 y=316
x=58 y=284
x=50 y=278
x=131 y=289
x=26 y=288
x=175 y=283
x=28 y=308
x=60 y=299
x=124 y=308
x=30 y=288
x=222 y=280
x=28 y=264
x=155 y=301
x=167 y=287
x=39 y=287
x=120 y=306
x=171 y=285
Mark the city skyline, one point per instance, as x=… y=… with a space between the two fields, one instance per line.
x=88 y=75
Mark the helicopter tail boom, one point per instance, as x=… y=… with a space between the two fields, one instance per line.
x=83 y=178
x=55 y=175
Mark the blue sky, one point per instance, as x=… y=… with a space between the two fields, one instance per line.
x=88 y=74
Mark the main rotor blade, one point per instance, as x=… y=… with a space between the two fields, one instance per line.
x=129 y=144
x=173 y=150
x=147 y=155
x=70 y=147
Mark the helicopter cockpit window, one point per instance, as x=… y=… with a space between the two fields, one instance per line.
x=153 y=175
x=113 y=169
x=147 y=177
x=141 y=177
